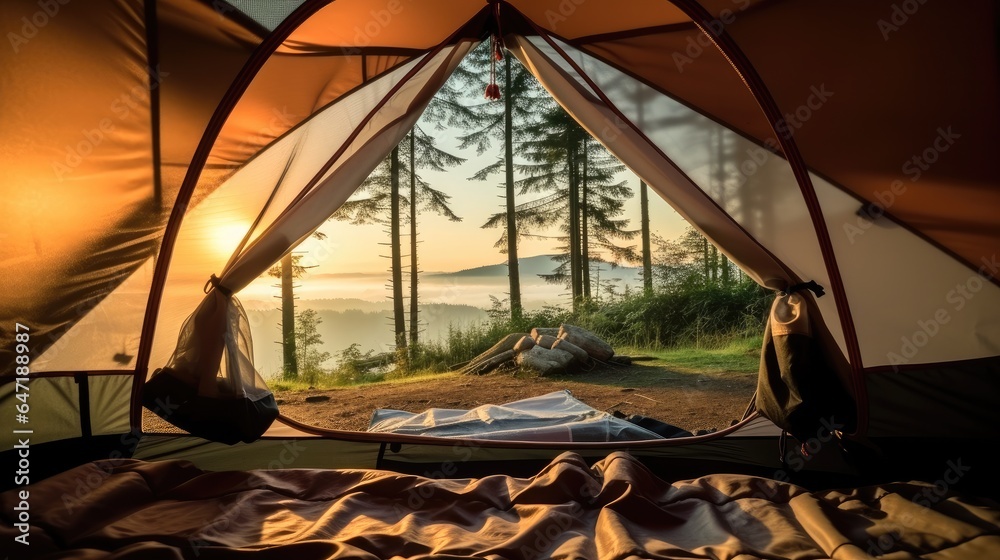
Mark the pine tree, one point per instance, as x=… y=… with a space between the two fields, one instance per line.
x=423 y=153
x=562 y=157
x=380 y=200
x=486 y=123
x=602 y=204
x=288 y=270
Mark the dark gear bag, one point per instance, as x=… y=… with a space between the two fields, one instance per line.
x=798 y=387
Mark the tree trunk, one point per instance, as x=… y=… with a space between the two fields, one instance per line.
x=545 y=361
x=576 y=288
x=584 y=242
x=291 y=363
x=414 y=300
x=398 y=312
x=647 y=256
x=720 y=261
x=579 y=354
x=513 y=272
x=715 y=263
x=706 y=260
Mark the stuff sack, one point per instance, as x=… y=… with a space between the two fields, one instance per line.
x=797 y=387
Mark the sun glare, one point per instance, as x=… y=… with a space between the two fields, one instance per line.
x=226 y=238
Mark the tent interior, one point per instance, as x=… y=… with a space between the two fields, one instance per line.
x=856 y=183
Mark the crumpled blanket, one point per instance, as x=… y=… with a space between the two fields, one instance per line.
x=555 y=416
x=616 y=509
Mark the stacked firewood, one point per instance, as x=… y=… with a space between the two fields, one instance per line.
x=546 y=351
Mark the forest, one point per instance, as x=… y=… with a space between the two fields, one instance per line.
x=557 y=183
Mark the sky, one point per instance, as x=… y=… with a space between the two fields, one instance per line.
x=445 y=246
x=450 y=246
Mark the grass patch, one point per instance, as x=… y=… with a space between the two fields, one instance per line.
x=737 y=356
x=417 y=377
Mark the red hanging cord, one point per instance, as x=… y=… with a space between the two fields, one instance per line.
x=496 y=55
x=493 y=90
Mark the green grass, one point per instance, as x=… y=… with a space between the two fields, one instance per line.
x=416 y=377
x=739 y=356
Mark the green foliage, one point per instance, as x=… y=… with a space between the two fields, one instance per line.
x=691 y=260
x=351 y=367
x=701 y=327
x=307 y=344
x=704 y=319
x=706 y=315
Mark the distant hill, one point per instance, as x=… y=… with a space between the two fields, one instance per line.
x=539 y=264
x=531 y=267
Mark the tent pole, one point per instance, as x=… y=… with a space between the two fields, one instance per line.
x=236 y=89
x=791 y=277
x=700 y=17
x=755 y=83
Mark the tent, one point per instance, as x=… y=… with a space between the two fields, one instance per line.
x=858 y=140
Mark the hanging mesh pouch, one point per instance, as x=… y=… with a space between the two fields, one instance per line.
x=210 y=387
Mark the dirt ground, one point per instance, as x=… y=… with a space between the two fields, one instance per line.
x=693 y=401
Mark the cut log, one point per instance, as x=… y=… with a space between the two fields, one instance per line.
x=491 y=364
x=378 y=360
x=579 y=354
x=545 y=361
x=546 y=341
x=505 y=344
x=524 y=344
x=590 y=342
x=539 y=331
x=621 y=360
